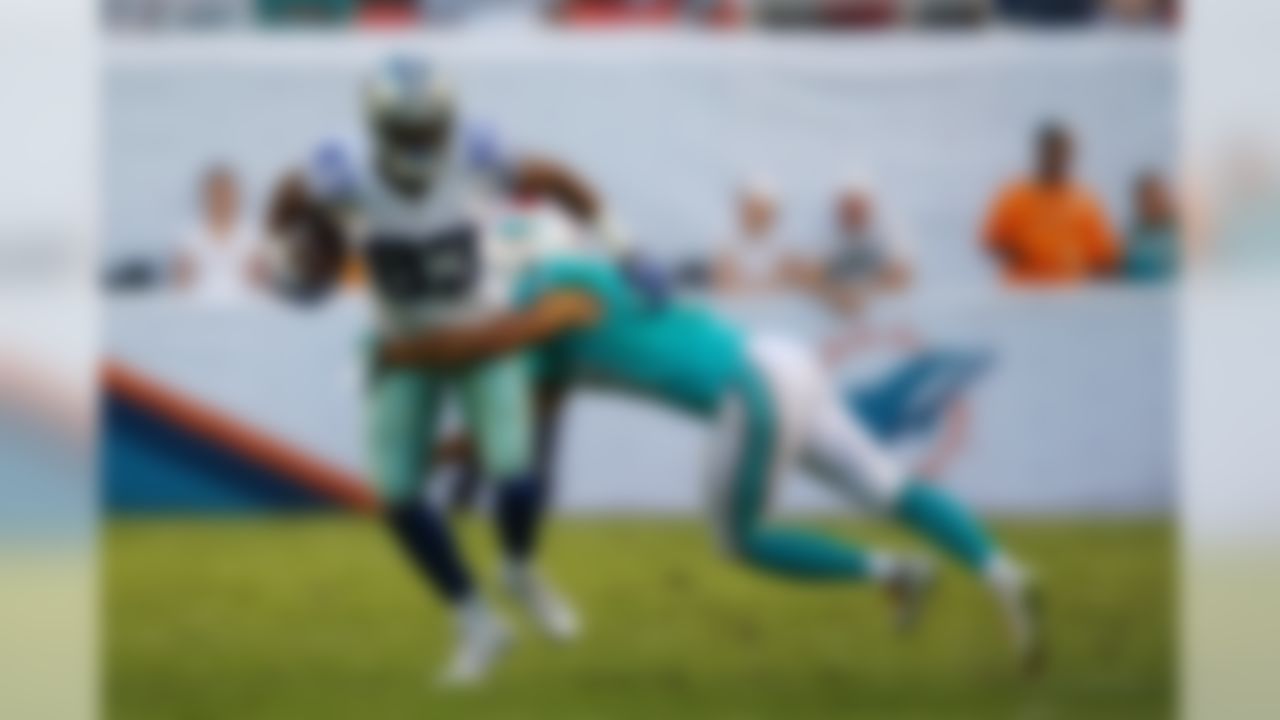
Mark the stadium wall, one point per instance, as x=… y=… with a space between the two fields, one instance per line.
x=1075 y=417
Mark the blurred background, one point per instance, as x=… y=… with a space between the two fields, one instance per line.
x=867 y=175
x=728 y=15
x=736 y=165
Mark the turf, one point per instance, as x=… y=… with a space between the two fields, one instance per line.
x=318 y=618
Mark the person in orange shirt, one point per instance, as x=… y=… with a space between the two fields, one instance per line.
x=1047 y=229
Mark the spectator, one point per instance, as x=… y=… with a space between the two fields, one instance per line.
x=863 y=14
x=850 y=14
x=1047 y=229
x=922 y=395
x=752 y=260
x=1138 y=12
x=388 y=13
x=306 y=12
x=456 y=13
x=870 y=254
x=1049 y=12
x=618 y=12
x=1151 y=253
x=948 y=13
x=217 y=261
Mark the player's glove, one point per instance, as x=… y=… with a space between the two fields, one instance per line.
x=305 y=254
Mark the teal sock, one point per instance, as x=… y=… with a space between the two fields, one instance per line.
x=807 y=556
x=949 y=525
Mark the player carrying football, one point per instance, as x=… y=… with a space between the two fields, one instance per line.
x=406 y=205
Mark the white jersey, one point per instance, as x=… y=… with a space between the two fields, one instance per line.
x=220 y=263
x=428 y=259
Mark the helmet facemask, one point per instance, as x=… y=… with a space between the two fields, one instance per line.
x=410 y=116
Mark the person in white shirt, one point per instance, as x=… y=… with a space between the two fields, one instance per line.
x=870 y=254
x=921 y=396
x=217 y=262
x=753 y=260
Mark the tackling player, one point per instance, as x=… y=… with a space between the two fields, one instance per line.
x=773 y=409
x=406 y=206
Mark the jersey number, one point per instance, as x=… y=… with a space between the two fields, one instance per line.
x=441 y=266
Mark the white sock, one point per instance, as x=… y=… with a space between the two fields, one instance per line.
x=1003 y=573
x=881 y=567
x=518 y=570
x=472 y=611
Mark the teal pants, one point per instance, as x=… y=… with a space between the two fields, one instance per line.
x=405 y=414
x=750 y=458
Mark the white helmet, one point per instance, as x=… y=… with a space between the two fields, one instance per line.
x=520 y=235
x=409 y=106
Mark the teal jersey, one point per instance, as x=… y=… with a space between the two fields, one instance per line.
x=1152 y=254
x=678 y=354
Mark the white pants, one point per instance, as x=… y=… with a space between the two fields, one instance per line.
x=790 y=415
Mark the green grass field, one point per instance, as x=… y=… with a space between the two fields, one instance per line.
x=318 y=618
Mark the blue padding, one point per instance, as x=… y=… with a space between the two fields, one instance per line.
x=912 y=398
x=151 y=465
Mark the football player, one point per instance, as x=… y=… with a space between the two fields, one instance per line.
x=405 y=206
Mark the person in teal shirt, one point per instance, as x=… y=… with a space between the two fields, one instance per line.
x=772 y=409
x=1151 y=252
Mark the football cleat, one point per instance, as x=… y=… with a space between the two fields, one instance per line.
x=910 y=587
x=1022 y=600
x=547 y=607
x=483 y=638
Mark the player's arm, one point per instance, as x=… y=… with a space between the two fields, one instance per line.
x=306 y=243
x=552 y=315
x=542 y=177
x=539 y=176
